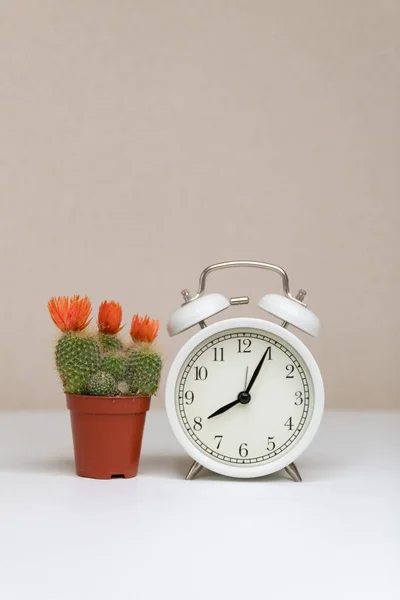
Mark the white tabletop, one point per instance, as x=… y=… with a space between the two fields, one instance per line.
x=336 y=535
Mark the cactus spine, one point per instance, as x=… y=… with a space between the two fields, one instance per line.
x=101 y=384
x=109 y=342
x=114 y=365
x=143 y=365
x=100 y=365
x=77 y=355
x=75 y=383
x=143 y=369
x=122 y=388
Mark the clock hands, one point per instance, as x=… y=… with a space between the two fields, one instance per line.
x=243 y=397
x=224 y=408
x=256 y=372
x=231 y=404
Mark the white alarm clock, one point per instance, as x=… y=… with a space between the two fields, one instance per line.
x=244 y=396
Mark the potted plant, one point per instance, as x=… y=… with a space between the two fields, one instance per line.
x=108 y=384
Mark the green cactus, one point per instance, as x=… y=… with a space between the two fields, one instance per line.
x=77 y=357
x=114 y=364
x=110 y=342
x=101 y=384
x=143 y=369
x=123 y=388
x=99 y=365
x=74 y=383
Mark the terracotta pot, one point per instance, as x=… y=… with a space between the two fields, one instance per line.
x=107 y=434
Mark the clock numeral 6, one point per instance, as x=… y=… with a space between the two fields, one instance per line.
x=200 y=373
x=271 y=444
x=300 y=399
x=198 y=425
x=290 y=369
x=244 y=345
x=189 y=397
x=243 y=452
x=220 y=440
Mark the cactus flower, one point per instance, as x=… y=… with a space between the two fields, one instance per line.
x=110 y=317
x=144 y=329
x=70 y=314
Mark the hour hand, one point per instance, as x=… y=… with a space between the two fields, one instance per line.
x=224 y=408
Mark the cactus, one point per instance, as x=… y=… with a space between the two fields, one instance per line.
x=109 y=324
x=101 y=384
x=123 y=388
x=143 y=365
x=74 y=383
x=143 y=369
x=114 y=365
x=109 y=342
x=100 y=366
x=77 y=355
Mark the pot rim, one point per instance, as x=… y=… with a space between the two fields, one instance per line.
x=132 y=397
x=108 y=405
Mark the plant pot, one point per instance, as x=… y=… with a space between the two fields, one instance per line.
x=107 y=434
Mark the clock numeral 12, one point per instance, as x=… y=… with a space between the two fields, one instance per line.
x=200 y=373
x=218 y=355
x=244 y=345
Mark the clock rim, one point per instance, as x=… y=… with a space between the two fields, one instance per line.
x=245 y=472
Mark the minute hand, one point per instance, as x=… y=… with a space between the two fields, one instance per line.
x=256 y=372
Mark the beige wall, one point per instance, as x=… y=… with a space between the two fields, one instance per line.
x=143 y=140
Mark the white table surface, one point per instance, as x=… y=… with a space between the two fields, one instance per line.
x=336 y=535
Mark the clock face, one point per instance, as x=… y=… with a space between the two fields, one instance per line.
x=235 y=427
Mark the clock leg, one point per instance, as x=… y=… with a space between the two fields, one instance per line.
x=194 y=470
x=293 y=472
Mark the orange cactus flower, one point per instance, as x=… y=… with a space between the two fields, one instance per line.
x=70 y=314
x=110 y=317
x=144 y=329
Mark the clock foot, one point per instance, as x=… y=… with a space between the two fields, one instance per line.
x=194 y=470
x=293 y=472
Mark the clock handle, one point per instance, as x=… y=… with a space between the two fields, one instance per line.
x=243 y=263
x=197 y=309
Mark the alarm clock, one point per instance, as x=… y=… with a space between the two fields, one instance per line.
x=244 y=396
